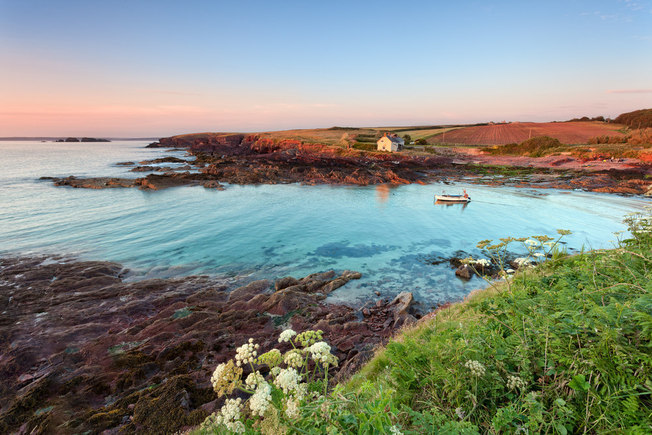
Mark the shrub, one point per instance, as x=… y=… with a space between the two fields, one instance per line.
x=636 y=119
x=534 y=147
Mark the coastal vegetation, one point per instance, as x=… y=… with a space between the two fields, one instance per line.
x=563 y=347
x=604 y=147
x=637 y=119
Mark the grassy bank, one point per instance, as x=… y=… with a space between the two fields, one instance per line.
x=560 y=348
x=563 y=349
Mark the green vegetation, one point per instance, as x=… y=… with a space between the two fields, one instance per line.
x=534 y=147
x=637 y=119
x=564 y=347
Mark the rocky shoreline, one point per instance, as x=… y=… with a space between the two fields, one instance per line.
x=83 y=350
x=239 y=159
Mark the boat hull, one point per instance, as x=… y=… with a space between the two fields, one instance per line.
x=452 y=198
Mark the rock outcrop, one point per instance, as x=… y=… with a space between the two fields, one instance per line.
x=82 y=350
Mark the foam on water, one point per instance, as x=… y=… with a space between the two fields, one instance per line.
x=269 y=231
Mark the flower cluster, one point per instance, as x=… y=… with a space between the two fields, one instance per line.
x=281 y=395
x=294 y=358
x=288 y=380
x=228 y=416
x=226 y=378
x=321 y=353
x=254 y=379
x=261 y=399
x=477 y=369
x=483 y=262
x=272 y=358
x=308 y=338
x=246 y=353
x=292 y=408
x=522 y=261
x=514 y=382
x=286 y=335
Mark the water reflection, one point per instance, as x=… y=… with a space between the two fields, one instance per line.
x=382 y=193
x=463 y=205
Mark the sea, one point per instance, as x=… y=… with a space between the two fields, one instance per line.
x=397 y=237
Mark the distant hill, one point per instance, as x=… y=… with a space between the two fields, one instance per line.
x=636 y=119
x=516 y=132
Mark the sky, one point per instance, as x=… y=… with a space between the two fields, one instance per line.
x=153 y=68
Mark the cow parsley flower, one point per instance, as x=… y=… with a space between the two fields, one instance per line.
x=288 y=380
x=477 y=369
x=520 y=262
x=293 y=358
x=226 y=378
x=272 y=358
x=246 y=353
x=229 y=415
x=321 y=353
x=292 y=408
x=307 y=338
x=515 y=382
x=254 y=379
x=260 y=401
x=286 y=335
x=483 y=262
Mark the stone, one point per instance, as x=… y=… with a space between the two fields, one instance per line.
x=464 y=271
x=285 y=282
x=401 y=304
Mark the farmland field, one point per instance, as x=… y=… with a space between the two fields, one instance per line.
x=498 y=134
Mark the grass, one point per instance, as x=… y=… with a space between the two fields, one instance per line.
x=574 y=337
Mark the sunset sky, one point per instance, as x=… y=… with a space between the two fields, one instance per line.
x=156 y=68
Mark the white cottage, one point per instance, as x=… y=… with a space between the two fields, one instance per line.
x=391 y=143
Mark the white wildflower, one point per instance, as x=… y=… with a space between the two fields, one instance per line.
x=293 y=358
x=287 y=380
x=394 y=430
x=514 y=382
x=460 y=413
x=260 y=401
x=483 y=262
x=321 y=353
x=477 y=369
x=539 y=254
x=230 y=415
x=531 y=242
x=510 y=271
x=292 y=408
x=520 y=262
x=286 y=335
x=226 y=378
x=246 y=353
x=254 y=379
x=218 y=374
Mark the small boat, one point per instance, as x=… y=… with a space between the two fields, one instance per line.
x=453 y=198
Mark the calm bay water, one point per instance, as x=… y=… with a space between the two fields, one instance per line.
x=276 y=230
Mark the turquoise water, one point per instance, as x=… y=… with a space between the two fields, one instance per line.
x=271 y=231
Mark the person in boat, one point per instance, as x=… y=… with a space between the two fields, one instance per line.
x=466 y=195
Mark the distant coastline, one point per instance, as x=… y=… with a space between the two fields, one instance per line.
x=63 y=138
